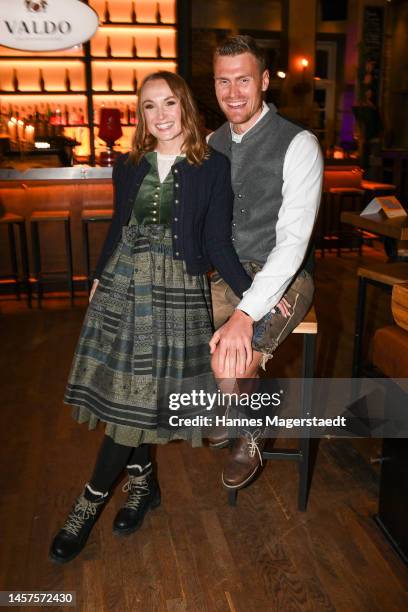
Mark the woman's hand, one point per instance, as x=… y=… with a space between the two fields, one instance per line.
x=93 y=289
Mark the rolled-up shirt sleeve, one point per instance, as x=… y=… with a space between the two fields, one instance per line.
x=301 y=192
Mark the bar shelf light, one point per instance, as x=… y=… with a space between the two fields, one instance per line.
x=133 y=40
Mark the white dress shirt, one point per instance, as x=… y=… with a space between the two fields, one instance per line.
x=301 y=192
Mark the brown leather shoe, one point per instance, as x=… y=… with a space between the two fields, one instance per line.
x=218 y=438
x=244 y=461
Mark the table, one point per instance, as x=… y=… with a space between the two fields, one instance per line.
x=378 y=224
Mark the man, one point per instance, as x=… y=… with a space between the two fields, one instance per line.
x=276 y=170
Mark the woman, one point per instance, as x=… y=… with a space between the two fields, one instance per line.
x=147 y=328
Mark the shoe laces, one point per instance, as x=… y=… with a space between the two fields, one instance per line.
x=137 y=487
x=83 y=510
x=253 y=446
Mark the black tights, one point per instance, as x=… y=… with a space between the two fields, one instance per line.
x=112 y=459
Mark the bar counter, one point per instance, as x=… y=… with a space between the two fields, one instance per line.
x=73 y=189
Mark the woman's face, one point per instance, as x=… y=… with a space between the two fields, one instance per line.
x=162 y=112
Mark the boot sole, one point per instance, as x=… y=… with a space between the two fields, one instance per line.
x=241 y=484
x=124 y=532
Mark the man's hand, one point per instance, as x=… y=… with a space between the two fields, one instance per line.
x=93 y=289
x=234 y=340
x=284 y=308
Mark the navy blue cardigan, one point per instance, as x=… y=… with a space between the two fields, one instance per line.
x=201 y=216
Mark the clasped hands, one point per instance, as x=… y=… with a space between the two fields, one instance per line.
x=233 y=340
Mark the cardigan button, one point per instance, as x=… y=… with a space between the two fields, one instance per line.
x=175 y=236
x=175 y=171
x=176 y=185
x=177 y=253
x=175 y=218
x=176 y=201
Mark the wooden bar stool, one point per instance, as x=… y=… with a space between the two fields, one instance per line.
x=11 y=220
x=56 y=216
x=308 y=327
x=382 y=275
x=339 y=197
x=90 y=215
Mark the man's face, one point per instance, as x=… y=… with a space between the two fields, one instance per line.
x=238 y=86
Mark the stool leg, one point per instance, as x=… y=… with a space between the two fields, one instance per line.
x=306 y=402
x=13 y=258
x=36 y=260
x=358 y=333
x=69 y=259
x=232 y=497
x=85 y=233
x=24 y=260
x=339 y=205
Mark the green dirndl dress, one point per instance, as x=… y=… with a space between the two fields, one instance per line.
x=145 y=334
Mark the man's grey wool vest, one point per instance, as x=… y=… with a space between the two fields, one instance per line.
x=257 y=180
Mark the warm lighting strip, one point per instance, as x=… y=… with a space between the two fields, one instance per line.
x=22 y=98
x=137 y=30
x=46 y=64
x=151 y=65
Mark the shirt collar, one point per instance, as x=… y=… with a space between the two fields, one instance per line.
x=238 y=137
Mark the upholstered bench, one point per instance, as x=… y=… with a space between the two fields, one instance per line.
x=389 y=354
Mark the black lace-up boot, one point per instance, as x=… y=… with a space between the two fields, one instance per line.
x=143 y=495
x=73 y=535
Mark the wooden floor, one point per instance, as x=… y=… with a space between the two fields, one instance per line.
x=195 y=552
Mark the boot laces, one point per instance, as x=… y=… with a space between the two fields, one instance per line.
x=83 y=510
x=253 y=446
x=137 y=487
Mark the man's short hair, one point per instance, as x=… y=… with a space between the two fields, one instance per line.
x=235 y=45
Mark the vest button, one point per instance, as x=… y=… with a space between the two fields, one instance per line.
x=240 y=195
x=243 y=210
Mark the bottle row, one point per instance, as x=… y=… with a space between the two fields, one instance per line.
x=103 y=81
x=133 y=14
x=44 y=120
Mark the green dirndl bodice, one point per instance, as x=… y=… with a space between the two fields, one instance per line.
x=146 y=332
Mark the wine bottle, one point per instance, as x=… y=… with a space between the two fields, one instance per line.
x=67 y=81
x=41 y=81
x=58 y=116
x=133 y=16
x=108 y=47
x=134 y=48
x=158 y=14
x=132 y=115
x=158 y=48
x=135 y=83
x=16 y=86
x=110 y=84
x=106 y=16
x=66 y=115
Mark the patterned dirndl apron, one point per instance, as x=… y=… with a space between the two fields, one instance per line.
x=144 y=338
